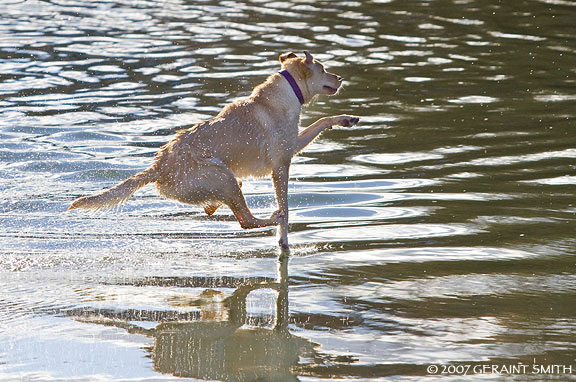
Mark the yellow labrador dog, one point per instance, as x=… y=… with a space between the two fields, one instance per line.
x=252 y=137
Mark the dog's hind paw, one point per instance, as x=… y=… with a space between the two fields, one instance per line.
x=278 y=216
x=211 y=209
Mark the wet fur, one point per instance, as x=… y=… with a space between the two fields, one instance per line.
x=252 y=137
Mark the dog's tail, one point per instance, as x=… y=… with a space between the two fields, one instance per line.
x=115 y=195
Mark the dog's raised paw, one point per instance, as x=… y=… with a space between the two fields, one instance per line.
x=347 y=120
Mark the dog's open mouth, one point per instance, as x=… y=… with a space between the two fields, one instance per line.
x=330 y=89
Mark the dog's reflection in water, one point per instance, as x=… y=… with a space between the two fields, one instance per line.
x=227 y=350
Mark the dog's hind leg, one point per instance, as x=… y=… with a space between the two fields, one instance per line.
x=249 y=221
x=212 y=208
x=227 y=190
x=238 y=205
x=211 y=183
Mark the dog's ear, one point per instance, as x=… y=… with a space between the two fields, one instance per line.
x=285 y=56
x=309 y=57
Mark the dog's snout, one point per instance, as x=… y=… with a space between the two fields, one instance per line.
x=340 y=79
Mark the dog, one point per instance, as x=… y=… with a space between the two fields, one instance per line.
x=251 y=137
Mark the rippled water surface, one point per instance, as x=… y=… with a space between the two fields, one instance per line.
x=440 y=231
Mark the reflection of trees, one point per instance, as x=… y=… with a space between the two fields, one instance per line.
x=207 y=346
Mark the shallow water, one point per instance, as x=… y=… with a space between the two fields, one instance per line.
x=440 y=231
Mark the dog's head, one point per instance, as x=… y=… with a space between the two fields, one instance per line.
x=311 y=74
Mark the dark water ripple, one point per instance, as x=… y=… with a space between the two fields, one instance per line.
x=438 y=231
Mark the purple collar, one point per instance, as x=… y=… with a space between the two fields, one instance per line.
x=294 y=85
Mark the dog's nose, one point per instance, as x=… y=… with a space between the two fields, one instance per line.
x=340 y=79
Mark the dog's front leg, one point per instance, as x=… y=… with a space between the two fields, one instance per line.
x=280 y=177
x=310 y=133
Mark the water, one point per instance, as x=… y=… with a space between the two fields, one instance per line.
x=440 y=231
